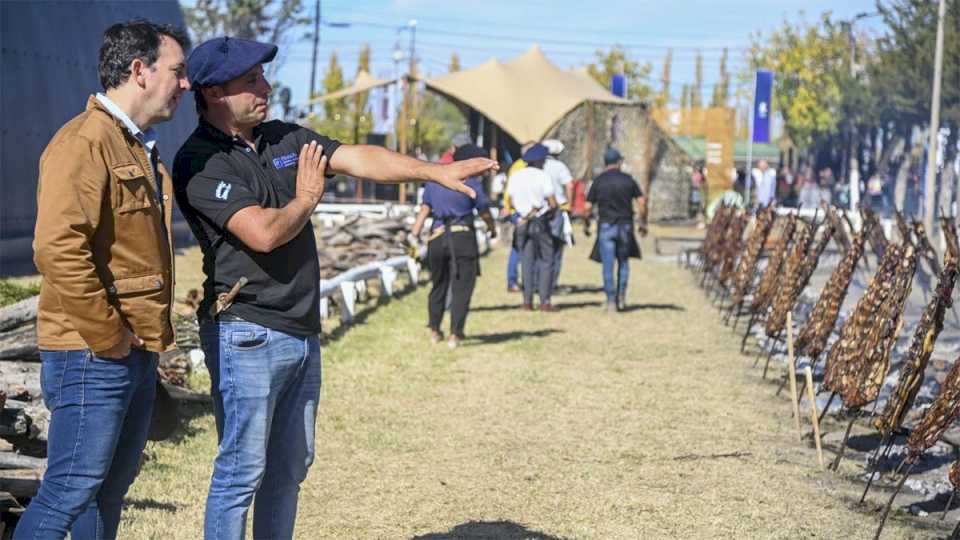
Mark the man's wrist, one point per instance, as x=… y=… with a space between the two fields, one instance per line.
x=308 y=199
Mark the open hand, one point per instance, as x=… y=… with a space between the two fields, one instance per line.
x=311 y=168
x=453 y=175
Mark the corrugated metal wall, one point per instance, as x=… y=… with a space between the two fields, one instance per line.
x=49 y=69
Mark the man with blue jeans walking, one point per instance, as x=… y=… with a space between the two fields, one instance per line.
x=247 y=187
x=103 y=247
x=614 y=193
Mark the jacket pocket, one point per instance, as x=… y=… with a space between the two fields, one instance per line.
x=134 y=285
x=133 y=188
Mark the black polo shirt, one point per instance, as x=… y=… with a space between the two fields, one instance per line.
x=613 y=192
x=216 y=175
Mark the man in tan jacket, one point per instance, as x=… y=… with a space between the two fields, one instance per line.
x=103 y=246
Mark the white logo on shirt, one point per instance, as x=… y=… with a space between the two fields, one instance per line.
x=223 y=191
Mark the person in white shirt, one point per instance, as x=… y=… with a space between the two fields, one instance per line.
x=765 y=178
x=560 y=226
x=532 y=195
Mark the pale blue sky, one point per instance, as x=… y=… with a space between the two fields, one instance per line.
x=568 y=31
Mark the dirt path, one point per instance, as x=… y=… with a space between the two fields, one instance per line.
x=578 y=424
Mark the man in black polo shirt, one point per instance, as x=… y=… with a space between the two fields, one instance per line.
x=247 y=188
x=614 y=193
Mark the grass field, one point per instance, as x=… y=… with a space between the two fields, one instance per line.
x=578 y=424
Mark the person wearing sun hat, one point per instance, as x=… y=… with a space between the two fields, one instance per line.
x=247 y=187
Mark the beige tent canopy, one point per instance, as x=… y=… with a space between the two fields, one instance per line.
x=525 y=96
x=363 y=83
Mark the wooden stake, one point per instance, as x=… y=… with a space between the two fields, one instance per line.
x=791 y=365
x=814 y=417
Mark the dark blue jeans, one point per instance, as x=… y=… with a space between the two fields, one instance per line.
x=265 y=386
x=614 y=248
x=100 y=413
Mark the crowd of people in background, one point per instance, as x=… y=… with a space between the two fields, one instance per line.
x=802 y=187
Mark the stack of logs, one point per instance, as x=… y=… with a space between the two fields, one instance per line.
x=359 y=240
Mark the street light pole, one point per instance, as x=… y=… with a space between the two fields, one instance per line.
x=930 y=183
x=316 y=45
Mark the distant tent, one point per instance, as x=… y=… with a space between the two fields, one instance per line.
x=525 y=97
x=363 y=83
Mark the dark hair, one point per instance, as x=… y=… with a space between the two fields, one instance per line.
x=126 y=41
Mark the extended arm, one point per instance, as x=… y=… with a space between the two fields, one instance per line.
x=386 y=167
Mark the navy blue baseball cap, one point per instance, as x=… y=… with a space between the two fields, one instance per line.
x=611 y=156
x=222 y=59
x=535 y=153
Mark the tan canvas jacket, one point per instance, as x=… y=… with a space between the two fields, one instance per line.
x=101 y=243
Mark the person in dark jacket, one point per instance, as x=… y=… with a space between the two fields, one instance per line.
x=614 y=193
x=452 y=251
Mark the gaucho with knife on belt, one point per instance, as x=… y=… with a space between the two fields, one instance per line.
x=247 y=187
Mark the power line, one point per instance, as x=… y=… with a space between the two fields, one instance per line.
x=350 y=10
x=529 y=39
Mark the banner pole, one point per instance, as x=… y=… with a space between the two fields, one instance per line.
x=749 y=170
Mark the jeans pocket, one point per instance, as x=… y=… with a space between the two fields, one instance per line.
x=249 y=338
x=53 y=365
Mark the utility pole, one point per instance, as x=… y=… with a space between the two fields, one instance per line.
x=316 y=45
x=930 y=184
x=409 y=100
x=413 y=84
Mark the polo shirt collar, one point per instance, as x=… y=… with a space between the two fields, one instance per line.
x=217 y=134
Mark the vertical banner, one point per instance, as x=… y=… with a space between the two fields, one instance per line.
x=761 y=107
x=618 y=86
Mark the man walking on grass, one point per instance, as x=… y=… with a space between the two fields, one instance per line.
x=247 y=188
x=102 y=244
x=614 y=193
x=532 y=194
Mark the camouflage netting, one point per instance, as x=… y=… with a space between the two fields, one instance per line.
x=650 y=156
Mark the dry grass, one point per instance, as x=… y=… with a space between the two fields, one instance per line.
x=569 y=425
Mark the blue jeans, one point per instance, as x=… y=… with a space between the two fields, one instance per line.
x=265 y=386
x=513 y=268
x=513 y=263
x=100 y=413
x=614 y=248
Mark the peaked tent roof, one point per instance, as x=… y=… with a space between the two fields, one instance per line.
x=525 y=96
x=362 y=83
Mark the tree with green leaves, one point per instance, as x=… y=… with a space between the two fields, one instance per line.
x=262 y=20
x=663 y=99
x=810 y=66
x=696 y=91
x=685 y=96
x=362 y=122
x=337 y=119
x=617 y=61
x=721 y=90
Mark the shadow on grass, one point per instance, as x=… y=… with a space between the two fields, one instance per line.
x=149 y=504
x=499 y=307
x=652 y=307
x=186 y=428
x=580 y=289
x=502 y=530
x=490 y=339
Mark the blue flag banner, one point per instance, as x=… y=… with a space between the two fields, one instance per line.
x=618 y=86
x=761 y=107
